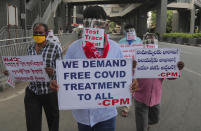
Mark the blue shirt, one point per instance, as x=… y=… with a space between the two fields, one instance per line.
x=136 y=41
x=93 y=116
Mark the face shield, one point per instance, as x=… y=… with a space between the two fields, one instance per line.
x=94 y=23
x=93 y=32
x=150 y=41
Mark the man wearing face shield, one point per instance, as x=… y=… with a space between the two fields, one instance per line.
x=39 y=95
x=131 y=40
x=100 y=119
x=129 y=29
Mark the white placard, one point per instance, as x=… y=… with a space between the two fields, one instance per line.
x=94 y=83
x=151 y=46
x=93 y=35
x=151 y=43
x=26 y=68
x=157 y=63
x=129 y=50
x=130 y=36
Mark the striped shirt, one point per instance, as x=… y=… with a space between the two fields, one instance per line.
x=50 y=53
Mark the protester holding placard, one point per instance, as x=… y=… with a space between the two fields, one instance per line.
x=94 y=45
x=148 y=96
x=26 y=68
x=130 y=36
x=39 y=95
x=130 y=42
x=128 y=45
x=150 y=40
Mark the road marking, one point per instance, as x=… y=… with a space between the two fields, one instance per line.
x=193 y=72
x=13 y=96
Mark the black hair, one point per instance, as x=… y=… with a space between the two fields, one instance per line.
x=128 y=26
x=41 y=24
x=96 y=12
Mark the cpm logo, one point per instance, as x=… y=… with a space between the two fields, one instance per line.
x=113 y=102
x=169 y=74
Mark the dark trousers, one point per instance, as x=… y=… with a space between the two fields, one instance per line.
x=146 y=115
x=108 y=125
x=33 y=110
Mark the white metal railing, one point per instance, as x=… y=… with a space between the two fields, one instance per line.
x=2 y=29
x=66 y=38
x=15 y=40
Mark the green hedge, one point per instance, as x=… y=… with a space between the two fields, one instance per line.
x=183 y=35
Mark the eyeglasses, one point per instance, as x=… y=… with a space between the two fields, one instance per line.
x=38 y=33
x=94 y=23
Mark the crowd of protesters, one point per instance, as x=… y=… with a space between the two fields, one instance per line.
x=146 y=92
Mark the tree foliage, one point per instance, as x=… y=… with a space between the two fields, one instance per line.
x=169 y=20
x=112 y=25
x=153 y=19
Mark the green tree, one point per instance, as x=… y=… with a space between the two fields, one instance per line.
x=169 y=20
x=153 y=19
x=112 y=25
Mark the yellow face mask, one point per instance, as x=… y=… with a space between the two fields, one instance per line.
x=39 y=39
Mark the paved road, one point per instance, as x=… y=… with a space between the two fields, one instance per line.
x=180 y=108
